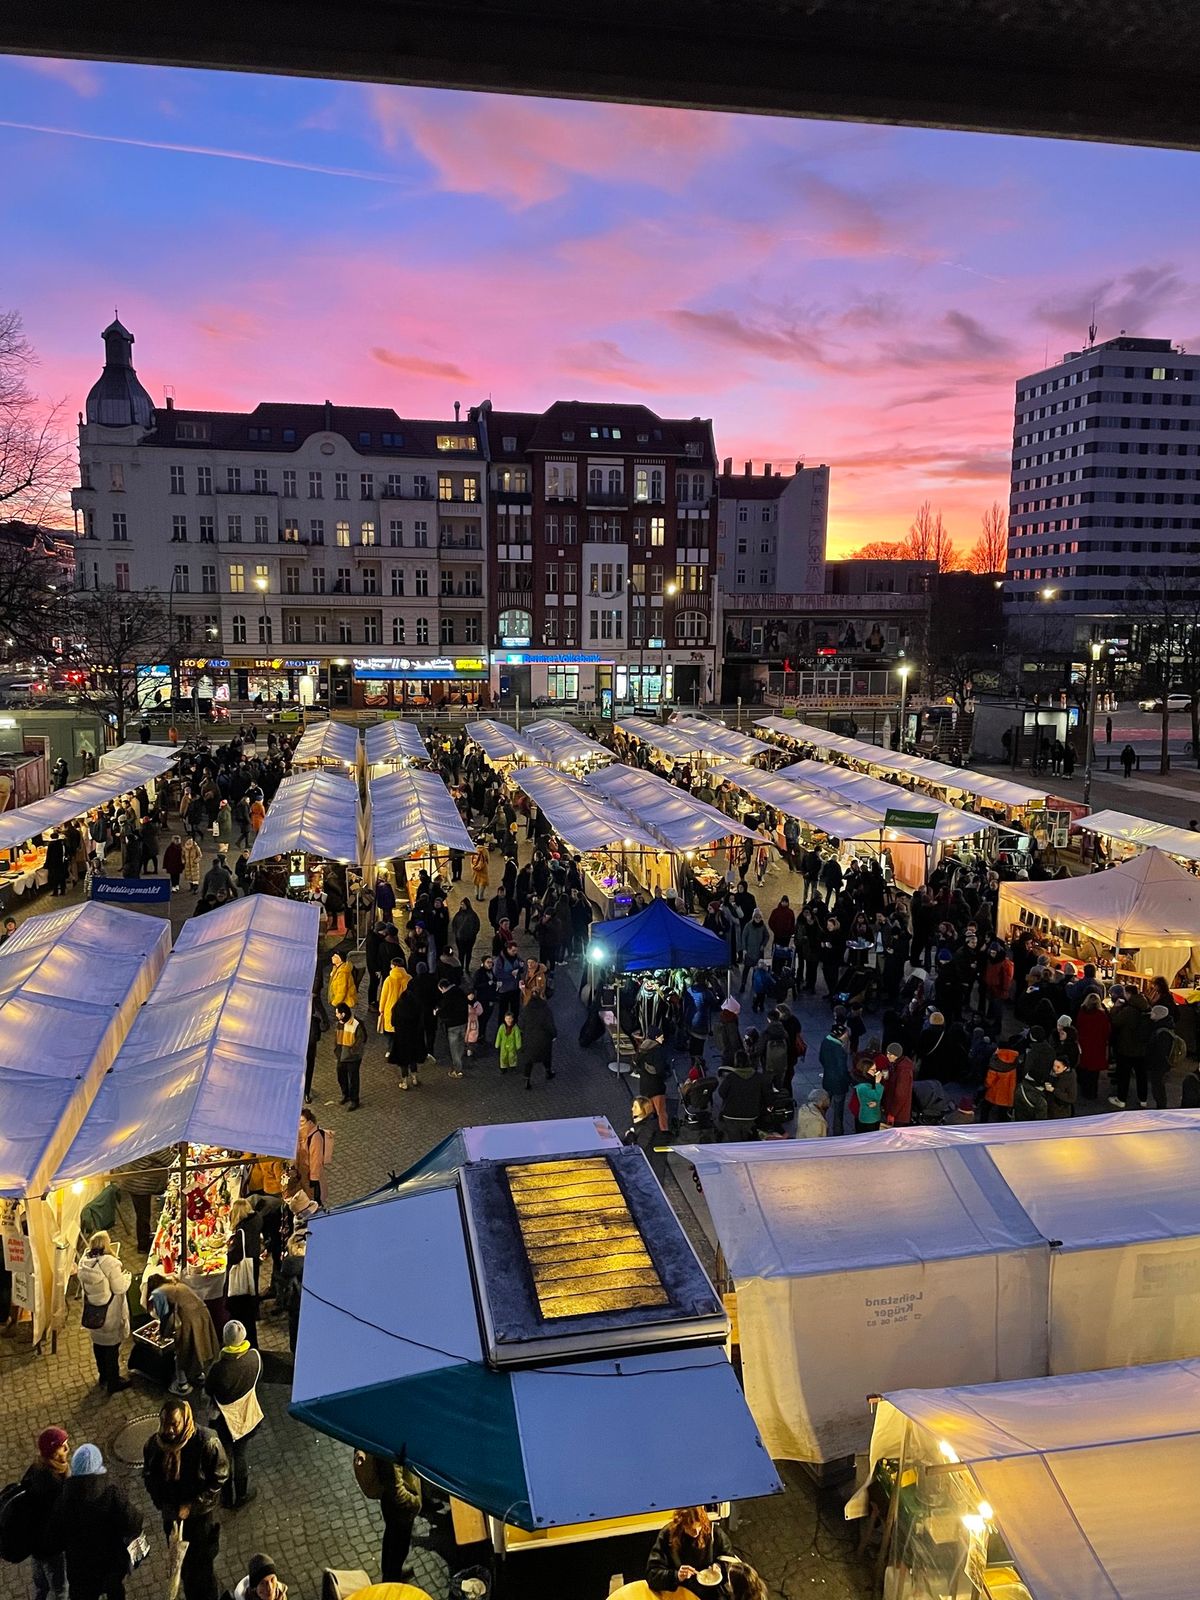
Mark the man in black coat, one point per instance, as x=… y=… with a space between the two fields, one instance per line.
x=465 y=929
x=538 y=1033
x=184 y=1470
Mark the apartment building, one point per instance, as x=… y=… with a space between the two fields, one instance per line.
x=771 y=529
x=308 y=551
x=603 y=585
x=1105 y=484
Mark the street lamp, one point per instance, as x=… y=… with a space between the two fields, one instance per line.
x=1093 y=696
x=670 y=591
x=904 y=669
x=262 y=585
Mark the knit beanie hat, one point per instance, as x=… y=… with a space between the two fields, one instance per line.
x=235 y=1333
x=87 y=1462
x=260 y=1567
x=50 y=1440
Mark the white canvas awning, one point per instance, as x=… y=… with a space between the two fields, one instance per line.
x=1137 y=831
x=720 y=742
x=560 y=743
x=413 y=811
x=394 y=741
x=667 y=738
x=313 y=813
x=878 y=796
x=677 y=817
x=75 y=800
x=1149 y=903
x=71 y=984
x=217 y=1053
x=581 y=816
x=327 y=744
x=826 y=813
x=146 y=760
x=993 y=1251
x=500 y=743
x=1088 y=1477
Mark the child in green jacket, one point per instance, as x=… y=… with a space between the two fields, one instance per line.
x=508 y=1042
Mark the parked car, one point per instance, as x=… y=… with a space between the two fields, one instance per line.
x=1175 y=702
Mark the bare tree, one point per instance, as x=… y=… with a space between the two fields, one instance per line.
x=1166 y=608
x=110 y=633
x=990 y=550
x=30 y=592
x=879 y=550
x=36 y=460
x=928 y=539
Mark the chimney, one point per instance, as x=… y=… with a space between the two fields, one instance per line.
x=799 y=466
x=457 y=409
x=727 y=466
x=749 y=468
x=170 y=402
x=766 y=469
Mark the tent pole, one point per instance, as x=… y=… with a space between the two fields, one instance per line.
x=183 y=1169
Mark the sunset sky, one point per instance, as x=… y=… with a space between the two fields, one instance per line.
x=855 y=295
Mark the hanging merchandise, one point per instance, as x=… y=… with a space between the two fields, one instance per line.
x=214 y=1180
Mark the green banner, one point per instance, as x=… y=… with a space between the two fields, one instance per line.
x=926 y=820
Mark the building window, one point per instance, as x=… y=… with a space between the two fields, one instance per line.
x=341 y=486
x=570 y=577
x=264 y=629
x=658 y=530
x=341 y=535
x=291 y=580
x=289 y=484
x=120 y=527
x=447 y=583
x=233 y=529
x=421 y=581
x=316 y=489
x=237 y=578
x=344 y=634
x=606 y=624
x=367 y=533
x=470 y=630
x=561 y=481
x=181 y=583
x=370 y=630
x=208 y=578
x=177 y=481
x=320 y=628
x=455 y=441
x=595 y=481
x=212 y=626
x=262 y=483
x=121 y=575
x=743 y=514
x=183 y=629
x=395 y=532
x=516 y=626
x=398 y=581
x=420 y=486
x=291 y=530
x=765 y=514
x=445 y=486
x=238 y=624
x=316 y=530
x=641 y=483
x=208 y=530
x=262 y=576
x=568 y=628
x=233 y=480
x=422 y=630
x=262 y=530
x=470 y=489
x=204 y=480
x=397 y=630
x=764 y=576
x=366 y=486
x=341 y=584
x=395 y=487
x=446 y=630
x=551 y=577
x=421 y=534
x=291 y=628
x=370 y=579
x=691 y=626
x=318 y=580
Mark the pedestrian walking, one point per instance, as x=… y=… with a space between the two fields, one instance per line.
x=452 y=1018
x=1127 y=758
x=232 y=1385
x=398 y=1491
x=26 y=1517
x=173 y=861
x=185 y=1470
x=480 y=868
x=538 y=1033
x=94 y=1526
x=105 y=1285
x=348 y=1053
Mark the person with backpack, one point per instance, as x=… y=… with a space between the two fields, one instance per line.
x=397 y=1488
x=1166 y=1050
x=105 y=1285
x=94 y=1526
x=26 y=1509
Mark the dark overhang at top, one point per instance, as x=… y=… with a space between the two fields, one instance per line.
x=1089 y=69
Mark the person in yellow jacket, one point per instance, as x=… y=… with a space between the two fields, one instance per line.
x=343 y=991
x=390 y=990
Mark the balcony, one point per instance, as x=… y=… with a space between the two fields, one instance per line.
x=463 y=600
x=462 y=548
x=608 y=499
x=456 y=507
x=424 y=492
x=515 y=599
x=514 y=497
x=565 y=498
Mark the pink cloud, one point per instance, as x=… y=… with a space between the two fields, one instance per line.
x=418 y=366
x=76 y=75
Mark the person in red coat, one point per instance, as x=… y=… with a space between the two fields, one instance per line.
x=782 y=922
x=1092 y=1027
x=897 y=1091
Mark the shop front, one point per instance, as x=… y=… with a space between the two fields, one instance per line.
x=214 y=683
x=412 y=683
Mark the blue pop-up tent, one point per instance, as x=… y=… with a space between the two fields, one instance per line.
x=656 y=937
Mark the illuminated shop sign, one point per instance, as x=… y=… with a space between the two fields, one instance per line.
x=377 y=669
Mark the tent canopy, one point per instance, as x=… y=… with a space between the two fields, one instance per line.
x=499 y=742
x=560 y=743
x=1183 y=842
x=394 y=740
x=879 y=796
x=1149 y=903
x=217 y=1053
x=1088 y=1475
x=667 y=738
x=314 y=813
x=1000 y=1250
x=387 y=1367
x=143 y=759
x=326 y=741
x=720 y=742
x=682 y=821
x=827 y=813
x=413 y=811
x=70 y=987
x=583 y=817
x=26 y=822
x=657 y=937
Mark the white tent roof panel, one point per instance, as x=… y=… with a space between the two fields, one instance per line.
x=716 y=740
x=315 y=813
x=394 y=740
x=1138 y=831
x=1147 y=903
x=499 y=742
x=682 y=821
x=670 y=739
x=327 y=741
x=146 y=760
x=412 y=811
x=824 y=812
x=559 y=742
x=581 y=816
x=26 y=822
x=879 y=796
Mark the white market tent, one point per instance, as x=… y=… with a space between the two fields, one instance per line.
x=1149 y=903
x=667 y=738
x=394 y=743
x=560 y=743
x=413 y=811
x=879 y=796
x=71 y=984
x=720 y=742
x=1088 y=1477
x=1183 y=843
x=581 y=816
x=143 y=759
x=974 y=1254
x=827 y=813
x=501 y=744
x=327 y=743
x=676 y=816
x=216 y=1055
x=75 y=800
x=313 y=813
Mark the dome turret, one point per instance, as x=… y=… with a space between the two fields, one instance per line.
x=117 y=399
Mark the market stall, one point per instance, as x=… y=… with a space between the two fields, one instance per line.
x=313 y=820
x=619 y=853
x=1126 y=836
x=666 y=738
x=972 y=1254
x=1133 y=920
x=722 y=743
x=71 y=984
x=392 y=745
x=327 y=745
x=503 y=746
x=563 y=746
x=145 y=760
x=524 y=1386
x=1067 y=1488
x=412 y=823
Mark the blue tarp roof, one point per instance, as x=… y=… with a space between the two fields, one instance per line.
x=658 y=937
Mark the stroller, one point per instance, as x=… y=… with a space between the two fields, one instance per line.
x=779 y=1112
x=698 y=1124
x=930 y=1103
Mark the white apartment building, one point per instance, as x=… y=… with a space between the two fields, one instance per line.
x=302 y=550
x=771 y=529
x=1105 y=484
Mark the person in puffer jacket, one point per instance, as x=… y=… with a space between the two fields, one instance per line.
x=1000 y=1085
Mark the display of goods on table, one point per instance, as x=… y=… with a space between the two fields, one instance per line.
x=212 y=1189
